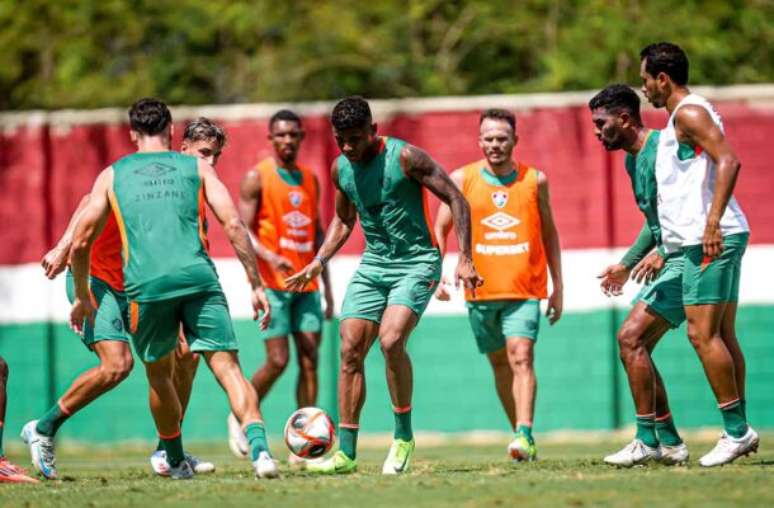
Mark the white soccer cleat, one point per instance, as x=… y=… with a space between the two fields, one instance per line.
x=159 y=464
x=41 y=450
x=673 y=455
x=183 y=471
x=729 y=449
x=237 y=441
x=199 y=466
x=399 y=457
x=265 y=466
x=634 y=454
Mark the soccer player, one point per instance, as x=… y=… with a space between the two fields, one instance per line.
x=278 y=202
x=383 y=182
x=158 y=197
x=9 y=472
x=658 y=307
x=696 y=171
x=109 y=338
x=515 y=243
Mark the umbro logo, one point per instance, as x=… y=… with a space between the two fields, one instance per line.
x=500 y=221
x=155 y=170
x=296 y=219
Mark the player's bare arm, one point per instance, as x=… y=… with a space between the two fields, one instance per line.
x=89 y=225
x=695 y=126
x=442 y=227
x=55 y=260
x=319 y=238
x=249 y=204
x=338 y=232
x=222 y=206
x=550 y=236
x=419 y=165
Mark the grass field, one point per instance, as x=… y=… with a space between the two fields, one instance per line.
x=568 y=474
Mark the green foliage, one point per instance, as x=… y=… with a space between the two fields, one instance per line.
x=92 y=53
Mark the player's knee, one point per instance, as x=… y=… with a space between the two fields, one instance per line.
x=629 y=342
x=308 y=361
x=521 y=358
x=698 y=338
x=392 y=346
x=278 y=360
x=117 y=369
x=352 y=357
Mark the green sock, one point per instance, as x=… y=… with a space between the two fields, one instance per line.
x=526 y=431
x=646 y=430
x=403 y=426
x=348 y=441
x=734 y=421
x=174 y=448
x=2 y=453
x=256 y=436
x=160 y=446
x=743 y=403
x=667 y=432
x=52 y=420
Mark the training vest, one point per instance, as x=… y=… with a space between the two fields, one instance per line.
x=686 y=184
x=286 y=222
x=506 y=234
x=392 y=207
x=158 y=202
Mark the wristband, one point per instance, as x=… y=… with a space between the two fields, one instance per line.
x=322 y=260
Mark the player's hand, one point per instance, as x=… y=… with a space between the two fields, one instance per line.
x=712 y=241
x=328 y=304
x=55 y=261
x=648 y=269
x=82 y=312
x=467 y=275
x=442 y=293
x=281 y=264
x=298 y=281
x=555 y=306
x=613 y=279
x=261 y=307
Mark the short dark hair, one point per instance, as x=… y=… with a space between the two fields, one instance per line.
x=284 y=114
x=149 y=116
x=667 y=58
x=351 y=113
x=499 y=114
x=617 y=98
x=203 y=129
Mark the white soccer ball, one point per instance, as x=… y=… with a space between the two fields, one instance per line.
x=309 y=433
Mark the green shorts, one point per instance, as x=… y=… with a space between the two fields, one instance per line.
x=112 y=319
x=293 y=312
x=494 y=321
x=374 y=287
x=717 y=280
x=155 y=326
x=665 y=294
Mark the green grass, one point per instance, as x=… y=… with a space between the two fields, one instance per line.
x=452 y=475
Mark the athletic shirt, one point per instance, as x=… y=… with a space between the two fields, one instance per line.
x=642 y=172
x=392 y=207
x=286 y=222
x=686 y=184
x=158 y=201
x=506 y=231
x=105 y=261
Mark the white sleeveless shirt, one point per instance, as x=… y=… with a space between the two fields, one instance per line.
x=686 y=188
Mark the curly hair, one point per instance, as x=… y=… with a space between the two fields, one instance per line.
x=351 y=113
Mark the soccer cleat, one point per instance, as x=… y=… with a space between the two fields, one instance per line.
x=673 y=455
x=237 y=441
x=182 y=471
x=265 y=466
x=41 y=450
x=729 y=449
x=635 y=453
x=399 y=458
x=339 y=463
x=160 y=465
x=11 y=473
x=520 y=449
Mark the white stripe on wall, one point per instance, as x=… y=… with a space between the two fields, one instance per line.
x=27 y=296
